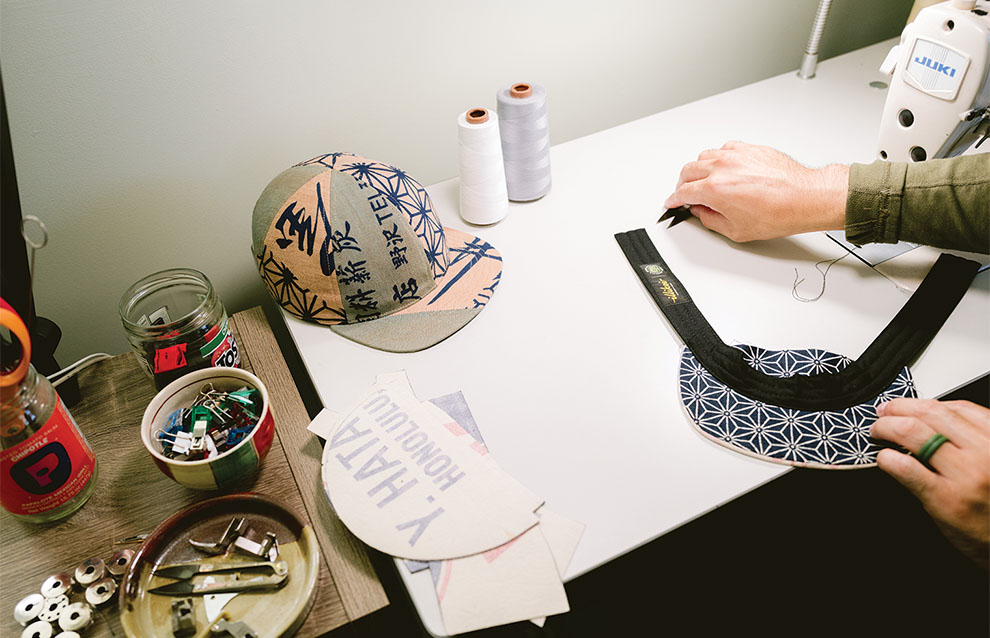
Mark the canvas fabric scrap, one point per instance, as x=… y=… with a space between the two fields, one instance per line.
x=402 y=479
x=517 y=578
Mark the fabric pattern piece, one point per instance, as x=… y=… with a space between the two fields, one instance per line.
x=826 y=439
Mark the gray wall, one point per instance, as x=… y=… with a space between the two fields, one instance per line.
x=144 y=131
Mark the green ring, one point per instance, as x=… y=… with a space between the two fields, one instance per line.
x=933 y=443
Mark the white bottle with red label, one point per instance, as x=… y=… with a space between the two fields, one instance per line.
x=47 y=469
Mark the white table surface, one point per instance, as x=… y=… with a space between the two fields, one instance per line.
x=571 y=369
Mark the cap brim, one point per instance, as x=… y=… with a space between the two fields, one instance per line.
x=471 y=278
x=825 y=439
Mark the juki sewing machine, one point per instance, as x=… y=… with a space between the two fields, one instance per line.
x=938 y=104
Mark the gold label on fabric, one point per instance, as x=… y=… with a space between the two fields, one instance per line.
x=668 y=290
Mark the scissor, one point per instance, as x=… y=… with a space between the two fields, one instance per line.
x=220 y=577
x=678 y=215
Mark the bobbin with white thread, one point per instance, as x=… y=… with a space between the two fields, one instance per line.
x=525 y=137
x=117 y=565
x=101 y=591
x=483 y=197
x=75 y=617
x=90 y=571
x=28 y=609
x=38 y=629
x=68 y=634
x=56 y=585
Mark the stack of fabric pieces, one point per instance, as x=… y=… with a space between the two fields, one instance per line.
x=414 y=479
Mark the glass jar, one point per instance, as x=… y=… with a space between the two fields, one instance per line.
x=175 y=321
x=47 y=469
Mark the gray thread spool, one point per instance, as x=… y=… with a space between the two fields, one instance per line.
x=525 y=134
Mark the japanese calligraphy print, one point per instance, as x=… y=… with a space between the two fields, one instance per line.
x=348 y=237
x=389 y=263
x=298 y=250
x=341 y=240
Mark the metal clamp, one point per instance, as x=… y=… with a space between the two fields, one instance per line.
x=237 y=526
x=183 y=618
x=236 y=629
x=264 y=549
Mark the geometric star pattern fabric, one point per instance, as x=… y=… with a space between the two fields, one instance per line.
x=404 y=192
x=826 y=440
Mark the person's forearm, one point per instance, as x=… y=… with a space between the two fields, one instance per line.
x=942 y=203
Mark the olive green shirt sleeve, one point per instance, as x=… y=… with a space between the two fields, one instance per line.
x=940 y=202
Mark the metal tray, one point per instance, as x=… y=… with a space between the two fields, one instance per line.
x=270 y=613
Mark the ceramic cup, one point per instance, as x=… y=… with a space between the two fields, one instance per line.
x=228 y=468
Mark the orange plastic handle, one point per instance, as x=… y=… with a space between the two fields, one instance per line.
x=13 y=322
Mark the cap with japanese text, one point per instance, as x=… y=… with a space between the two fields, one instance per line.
x=354 y=244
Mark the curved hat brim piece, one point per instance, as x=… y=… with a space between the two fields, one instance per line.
x=834 y=440
x=473 y=273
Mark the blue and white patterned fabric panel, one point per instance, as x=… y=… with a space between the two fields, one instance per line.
x=829 y=440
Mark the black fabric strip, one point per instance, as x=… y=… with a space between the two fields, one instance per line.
x=900 y=342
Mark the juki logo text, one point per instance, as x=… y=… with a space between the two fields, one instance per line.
x=936 y=66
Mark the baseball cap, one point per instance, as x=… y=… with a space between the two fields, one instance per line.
x=355 y=245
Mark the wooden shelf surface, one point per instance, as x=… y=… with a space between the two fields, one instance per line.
x=132 y=496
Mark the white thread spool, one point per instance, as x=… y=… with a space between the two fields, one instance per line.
x=483 y=195
x=525 y=132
